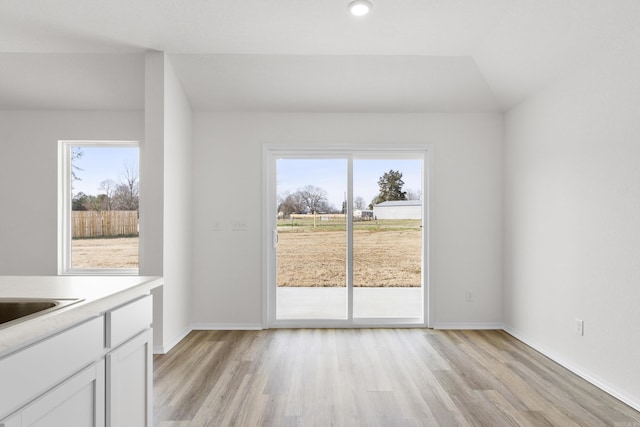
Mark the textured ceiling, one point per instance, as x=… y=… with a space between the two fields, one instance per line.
x=302 y=55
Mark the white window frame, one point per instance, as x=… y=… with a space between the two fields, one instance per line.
x=64 y=209
x=270 y=152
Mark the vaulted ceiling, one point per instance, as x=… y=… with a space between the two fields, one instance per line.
x=302 y=55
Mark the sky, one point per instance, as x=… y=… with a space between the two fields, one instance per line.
x=102 y=163
x=331 y=176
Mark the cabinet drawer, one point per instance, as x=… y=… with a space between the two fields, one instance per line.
x=129 y=320
x=35 y=369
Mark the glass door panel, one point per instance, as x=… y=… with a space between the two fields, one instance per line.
x=387 y=238
x=311 y=251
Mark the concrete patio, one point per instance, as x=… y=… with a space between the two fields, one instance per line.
x=331 y=303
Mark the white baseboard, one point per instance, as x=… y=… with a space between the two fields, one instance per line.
x=593 y=379
x=226 y=327
x=470 y=326
x=165 y=348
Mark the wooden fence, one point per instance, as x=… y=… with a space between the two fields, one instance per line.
x=103 y=223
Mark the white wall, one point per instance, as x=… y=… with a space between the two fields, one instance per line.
x=152 y=187
x=177 y=209
x=29 y=179
x=152 y=168
x=29 y=189
x=467 y=205
x=572 y=211
x=167 y=199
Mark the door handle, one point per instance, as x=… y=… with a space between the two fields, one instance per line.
x=276 y=238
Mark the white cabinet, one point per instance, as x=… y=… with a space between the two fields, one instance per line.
x=30 y=372
x=97 y=373
x=129 y=378
x=130 y=364
x=77 y=402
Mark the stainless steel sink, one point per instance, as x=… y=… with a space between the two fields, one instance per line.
x=14 y=310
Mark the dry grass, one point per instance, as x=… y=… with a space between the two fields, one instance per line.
x=382 y=258
x=105 y=253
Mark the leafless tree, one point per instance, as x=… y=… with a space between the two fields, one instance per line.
x=314 y=198
x=290 y=203
x=126 y=193
x=76 y=154
x=108 y=187
x=414 y=194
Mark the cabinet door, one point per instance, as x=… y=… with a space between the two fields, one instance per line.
x=79 y=401
x=129 y=383
x=32 y=371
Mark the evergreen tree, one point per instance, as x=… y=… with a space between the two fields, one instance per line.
x=390 y=184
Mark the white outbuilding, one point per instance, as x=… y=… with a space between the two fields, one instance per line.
x=362 y=214
x=398 y=209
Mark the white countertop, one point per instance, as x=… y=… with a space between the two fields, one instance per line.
x=98 y=294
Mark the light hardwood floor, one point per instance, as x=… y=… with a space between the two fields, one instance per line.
x=372 y=377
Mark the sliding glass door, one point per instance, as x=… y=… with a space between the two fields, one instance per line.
x=346 y=237
x=311 y=250
x=387 y=239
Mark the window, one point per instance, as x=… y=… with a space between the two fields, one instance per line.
x=99 y=199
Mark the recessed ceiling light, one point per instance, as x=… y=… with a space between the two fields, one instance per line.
x=359 y=7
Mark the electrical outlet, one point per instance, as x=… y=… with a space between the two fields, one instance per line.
x=469 y=296
x=580 y=327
